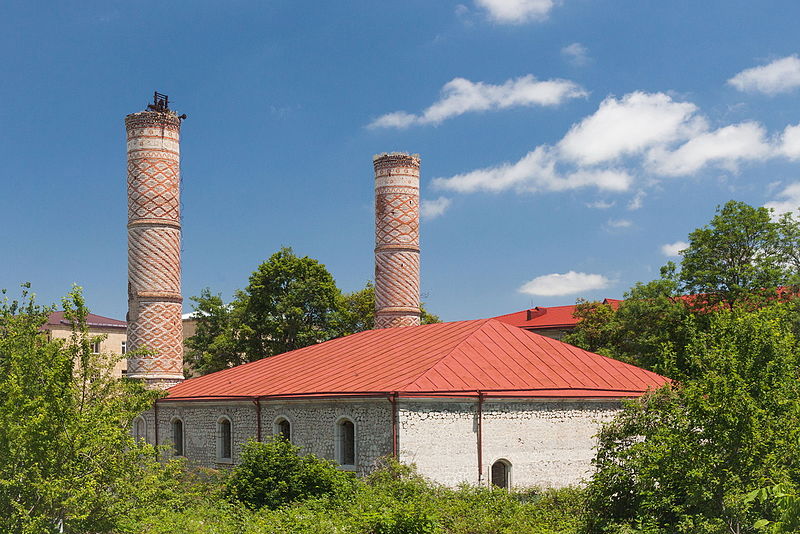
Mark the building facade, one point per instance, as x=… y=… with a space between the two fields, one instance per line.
x=114 y=331
x=475 y=401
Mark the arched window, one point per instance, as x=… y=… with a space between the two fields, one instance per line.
x=177 y=436
x=346 y=442
x=282 y=427
x=501 y=470
x=139 y=429
x=224 y=439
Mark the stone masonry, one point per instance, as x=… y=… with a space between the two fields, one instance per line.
x=547 y=443
x=154 y=247
x=396 y=240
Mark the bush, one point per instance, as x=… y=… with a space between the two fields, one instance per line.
x=273 y=473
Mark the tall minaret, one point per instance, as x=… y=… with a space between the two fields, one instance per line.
x=154 y=244
x=396 y=240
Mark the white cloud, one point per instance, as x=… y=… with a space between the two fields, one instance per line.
x=619 y=223
x=780 y=76
x=790 y=142
x=629 y=126
x=788 y=200
x=516 y=11
x=727 y=146
x=672 y=250
x=534 y=172
x=576 y=53
x=600 y=204
x=640 y=135
x=460 y=96
x=430 y=209
x=637 y=201
x=569 y=283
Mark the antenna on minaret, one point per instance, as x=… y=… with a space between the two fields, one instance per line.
x=160 y=102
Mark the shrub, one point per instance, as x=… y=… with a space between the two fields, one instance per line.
x=273 y=473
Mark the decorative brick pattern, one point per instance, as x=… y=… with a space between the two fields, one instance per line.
x=154 y=245
x=159 y=329
x=154 y=259
x=396 y=240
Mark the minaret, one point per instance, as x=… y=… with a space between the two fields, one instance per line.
x=396 y=240
x=154 y=244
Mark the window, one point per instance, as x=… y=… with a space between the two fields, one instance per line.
x=139 y=429
x=177 y=436
x=346 y=442
x=96 y=347
x=224 y=439
x=500 y=473
x=282 y=427
x=123 y=349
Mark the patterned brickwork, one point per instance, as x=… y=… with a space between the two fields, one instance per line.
x=396 y=240
x=154 y=259
x=154 y=245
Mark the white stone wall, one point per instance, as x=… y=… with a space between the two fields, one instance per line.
x=440 y=438
x=313 y=427
x=548 y=443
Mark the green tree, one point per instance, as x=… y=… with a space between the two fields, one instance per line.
x=741 y=257
x=289 y=303
x=652 y=317
x=274 y=473
x=683 y=459
x=213 y=347
x=737 y=255
x=68 y=461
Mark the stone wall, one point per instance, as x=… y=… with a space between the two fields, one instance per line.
x=313 y=427
x=547 y=443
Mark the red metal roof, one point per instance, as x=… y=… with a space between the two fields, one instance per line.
x=57 y=319
x=465 y=357
x=550 y=317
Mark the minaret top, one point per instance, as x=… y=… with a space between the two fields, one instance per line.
x=160 y=105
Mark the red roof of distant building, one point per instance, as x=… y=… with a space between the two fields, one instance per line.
x=57 y=319
x=550 y=317
x=460 y=358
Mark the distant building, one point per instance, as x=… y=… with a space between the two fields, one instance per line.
x=553 y=321
x=115 y=331
x=116 y=341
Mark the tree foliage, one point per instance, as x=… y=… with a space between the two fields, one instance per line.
x=289 y=303
x=684 y=458
x=742 y=257
x=740 y=253
x=273 y=473
x=68 y=461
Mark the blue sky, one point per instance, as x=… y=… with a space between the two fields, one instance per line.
x=564 y=143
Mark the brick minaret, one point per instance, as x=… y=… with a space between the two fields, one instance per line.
x=396 y=240
x=154 y=245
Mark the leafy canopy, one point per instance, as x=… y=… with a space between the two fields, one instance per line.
x=683 y=459
x=742 y=257
x=273 y=473
x=68 y=460
x=289 y=303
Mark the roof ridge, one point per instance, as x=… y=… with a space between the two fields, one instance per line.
x=449 y=353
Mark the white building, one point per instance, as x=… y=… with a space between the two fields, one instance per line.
x=472 y=401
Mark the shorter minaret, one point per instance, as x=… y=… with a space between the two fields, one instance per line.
x=154 y=245
x=396 y=240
